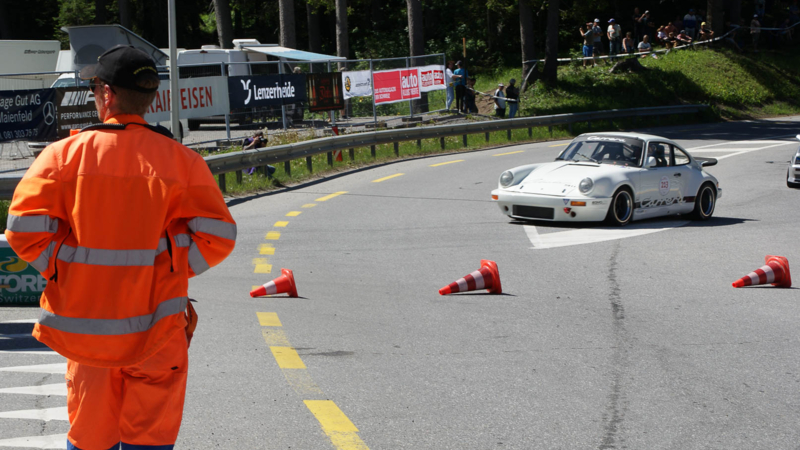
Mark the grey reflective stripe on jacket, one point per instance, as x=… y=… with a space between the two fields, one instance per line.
x=196 y=260
x=113 y=327
x=43 y=260
x=181 y=240
x=214 y=227
x=31 y=224
x=102 y=257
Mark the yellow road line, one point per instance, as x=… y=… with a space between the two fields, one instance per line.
x=293 y=213
x=266 y=249
x=340 y=430
x=262 y=265
x=275 y=337
x=510 y=153
x=287 y=358
x=388 y=178
x=559 y=145
x=309 y=205
x=273 y=236
x=302 y=383
x=448 y=162
x=268 y=319
x=328 y=197
x=281 y=224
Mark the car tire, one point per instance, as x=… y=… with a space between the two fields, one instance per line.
x=705 y=202
x=791 y=184
x=620 y=211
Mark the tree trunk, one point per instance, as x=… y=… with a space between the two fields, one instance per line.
x=526 y=36
x=224 y=27
x=288 y=34
x=100 y=12
x=314 y=41
x=416 y=46
x=714 y=17
x=5 y=30
x=551 y=46
x=342 y=42
x=124 y=13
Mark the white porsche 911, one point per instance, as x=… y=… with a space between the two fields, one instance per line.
x=617 y=177
x=793 y=173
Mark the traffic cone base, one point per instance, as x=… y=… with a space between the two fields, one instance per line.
x=487 y=277
x=284 y=283
x=775 y=271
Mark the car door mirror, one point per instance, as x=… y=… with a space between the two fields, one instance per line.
x=651 y=162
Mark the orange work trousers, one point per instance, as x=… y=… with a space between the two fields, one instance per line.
x=139 y=406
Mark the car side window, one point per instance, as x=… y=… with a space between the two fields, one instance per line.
x=661 y=152
x=681 y=158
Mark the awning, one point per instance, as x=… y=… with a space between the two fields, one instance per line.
x=290 y=53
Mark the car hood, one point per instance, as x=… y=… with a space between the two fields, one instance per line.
x=559 y=178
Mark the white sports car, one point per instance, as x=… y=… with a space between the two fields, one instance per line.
x=793 y=173
x=617 y=177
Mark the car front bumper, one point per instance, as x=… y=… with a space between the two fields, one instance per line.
x=794 y=174
x=550 y=208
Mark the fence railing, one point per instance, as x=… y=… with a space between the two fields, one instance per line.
x=238 y=161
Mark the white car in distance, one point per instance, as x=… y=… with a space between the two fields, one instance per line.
x=793 y=172
x=616 y=177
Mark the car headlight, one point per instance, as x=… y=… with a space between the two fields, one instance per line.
x=797 y=160
x=506 y=178
x=585 y=185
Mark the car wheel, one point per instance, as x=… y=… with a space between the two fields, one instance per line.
x=620 y=212
x=705 y=202
x=791 y=184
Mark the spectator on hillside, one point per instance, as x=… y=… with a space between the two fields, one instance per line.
x=500 y=101
x=644 y=46
x=614 y=38
x=469 y=97
x=734 y=37
x=671 y=28
x=755 y=31
x=690 y=24
x=706 y=34
x=628 y=44
x=257 y=140
x=785 y=33
x=661 y=35
x=448 y=81
x=670 y=41
x=638 y=26
x=460 y=76
x=683 y=38
x=588 y=42
x=678 y=24
x=649 y=27
x=512 y=98
x=597 y=48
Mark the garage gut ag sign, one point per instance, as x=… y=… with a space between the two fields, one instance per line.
x=20 y=283
x=28 y=114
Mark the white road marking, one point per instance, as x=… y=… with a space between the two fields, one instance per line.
x=40 y=368
x=46 y=414
x=45 y=389
x=591 y=235
x=762 y=148
x=21 y=321
x=16 y=336
x=31 y=351
x=58 y=441
x=765 y=141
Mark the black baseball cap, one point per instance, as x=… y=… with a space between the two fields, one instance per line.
x=123 y=66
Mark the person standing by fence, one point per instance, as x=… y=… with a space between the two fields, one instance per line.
x=460 y=76
x=448 y=81
x=512 y=98
x=500 y=101
x=614 y=38
x=118 y=218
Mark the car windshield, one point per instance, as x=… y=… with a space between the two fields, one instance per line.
x=617 y=150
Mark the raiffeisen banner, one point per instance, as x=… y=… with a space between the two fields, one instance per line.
x=431 y=78
x=396 y=85
x=199 y=97
x=266 y=90
x=357 y=83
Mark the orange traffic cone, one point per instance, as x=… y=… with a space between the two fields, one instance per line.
x=775 y=271
x=284 y=283
x=487 y=277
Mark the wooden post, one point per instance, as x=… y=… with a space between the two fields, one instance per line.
x=222 y=182
x=287 y=167
x=396 y=148
x=330 y=159
x=372 y=151
x=239 y=176
x=549 y=128
x=487 y=136
x=464 y=138
x=441 y=143
x=508 y=134
x=352 y=154
x=308 y=164
x=419 y=143
x=530 y=131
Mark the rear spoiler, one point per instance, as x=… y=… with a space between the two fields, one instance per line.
x=705 y=162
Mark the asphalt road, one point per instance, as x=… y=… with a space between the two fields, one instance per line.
x=638 y=342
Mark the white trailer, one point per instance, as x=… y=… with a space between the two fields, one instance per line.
x=32 y=58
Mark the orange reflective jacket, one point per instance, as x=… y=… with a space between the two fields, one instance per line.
x=117 y=220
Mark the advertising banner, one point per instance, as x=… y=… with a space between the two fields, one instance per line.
x=393 y=86
x=431 y=78
x=266 y=90
x=20 y=283
x=324 y=91
x=28 y=114
x=199 y=97
x=75 y=109
x=357 y=83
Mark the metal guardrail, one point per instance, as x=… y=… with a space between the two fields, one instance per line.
x=231 y=162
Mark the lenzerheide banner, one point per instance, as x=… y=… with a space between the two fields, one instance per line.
x=393 y=86
x=357 y=83
x=28 y=114
x=431 y=78
x=324 y=91
x=266 y=90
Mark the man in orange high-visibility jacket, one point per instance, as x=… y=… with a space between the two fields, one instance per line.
x=117 y=218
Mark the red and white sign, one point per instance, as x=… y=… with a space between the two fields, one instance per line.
x=431 y=78
x=199 y=97
x=392 y=86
